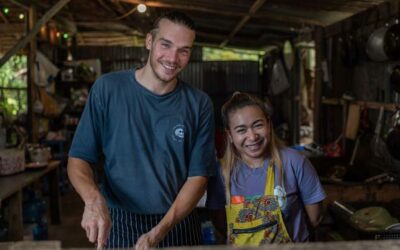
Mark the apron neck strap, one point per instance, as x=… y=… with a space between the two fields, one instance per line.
x=270 y=181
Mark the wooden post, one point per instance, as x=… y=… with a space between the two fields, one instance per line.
x=318 y=38
x=54 y=192
x=14 y=216
x=33 y=122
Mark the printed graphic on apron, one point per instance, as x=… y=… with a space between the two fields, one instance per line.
x=254 y=221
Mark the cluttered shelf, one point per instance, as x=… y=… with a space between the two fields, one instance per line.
x=11 y=196
x=371 y=105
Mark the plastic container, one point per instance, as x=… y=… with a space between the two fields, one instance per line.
x=208 y=232
x=40 y=231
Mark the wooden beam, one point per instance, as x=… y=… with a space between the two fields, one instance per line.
x=265 y=15
x=2 y=16
x=191 y=7
x=37 y=3
x=253 y=9
x=105 y=6
x=269 y=15
x=11 y=28
x=109 y=26
x=370 y=17
x=312 y=5
x=20 y=5
x=32 y=33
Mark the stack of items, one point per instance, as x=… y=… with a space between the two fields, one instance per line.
x=12 y=161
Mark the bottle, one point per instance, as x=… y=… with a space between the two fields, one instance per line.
x=208 y=231
x=40 y=231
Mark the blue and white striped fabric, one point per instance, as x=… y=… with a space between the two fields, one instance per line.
x=127 y=227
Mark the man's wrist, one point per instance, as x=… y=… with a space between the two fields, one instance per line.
x=92 y=197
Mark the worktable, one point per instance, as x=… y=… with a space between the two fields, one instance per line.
x=11 y=196
x=342 y=245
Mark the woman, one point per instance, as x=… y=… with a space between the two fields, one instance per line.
x=272 y=192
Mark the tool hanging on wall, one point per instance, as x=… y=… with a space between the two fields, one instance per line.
x=378 y=146
x=393 y=137
x=334 y=149
x=353 y=121
x=361 y=131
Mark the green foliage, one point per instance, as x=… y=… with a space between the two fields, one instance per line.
x=13 y=72
x=13 y=84
x=213 y=54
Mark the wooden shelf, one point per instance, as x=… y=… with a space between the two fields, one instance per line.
x=371 y=105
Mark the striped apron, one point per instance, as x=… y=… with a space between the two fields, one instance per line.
x=127 y=227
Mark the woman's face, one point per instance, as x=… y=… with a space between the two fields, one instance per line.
x=249 y=131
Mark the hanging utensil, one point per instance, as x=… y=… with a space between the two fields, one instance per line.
x=393 y=137
x=361 y=131
x=384 y=43
x=378 y=146
x=279 y=80
x=376 y=140
x=355 y=150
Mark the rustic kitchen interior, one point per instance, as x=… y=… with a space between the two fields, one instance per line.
x=329 y=71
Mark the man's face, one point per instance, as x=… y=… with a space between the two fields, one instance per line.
x=169 y=49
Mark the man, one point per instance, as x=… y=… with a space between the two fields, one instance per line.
x=156 y=134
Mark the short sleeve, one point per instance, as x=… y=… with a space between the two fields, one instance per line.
x=202 y=156
x=310 y=188
x=86 y=143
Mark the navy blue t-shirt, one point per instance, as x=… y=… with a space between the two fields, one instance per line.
x=151 y=143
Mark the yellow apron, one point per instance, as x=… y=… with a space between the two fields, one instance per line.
x=253 y=222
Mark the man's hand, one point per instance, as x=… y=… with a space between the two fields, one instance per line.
x=96 y=218
x=150 y=239
x=96 y=221
x=185 y=202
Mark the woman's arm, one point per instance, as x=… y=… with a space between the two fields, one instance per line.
x=314 y=213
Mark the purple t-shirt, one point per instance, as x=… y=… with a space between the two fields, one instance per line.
x=301 y=185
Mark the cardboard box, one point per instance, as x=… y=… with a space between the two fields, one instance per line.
x=12 y=161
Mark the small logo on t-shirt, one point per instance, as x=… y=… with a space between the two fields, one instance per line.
x=281 y=194
x=179 y=133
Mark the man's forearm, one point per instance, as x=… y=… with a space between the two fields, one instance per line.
x=185 y=202
x=82 y=179
x=96 y=220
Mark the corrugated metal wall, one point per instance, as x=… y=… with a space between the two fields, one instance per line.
x=223 y=77
x=120 y=58
x=215 y=78
x=220 y=79
x=113 y=58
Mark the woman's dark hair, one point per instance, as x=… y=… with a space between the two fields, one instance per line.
x=240 y=100
x=231 y=157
